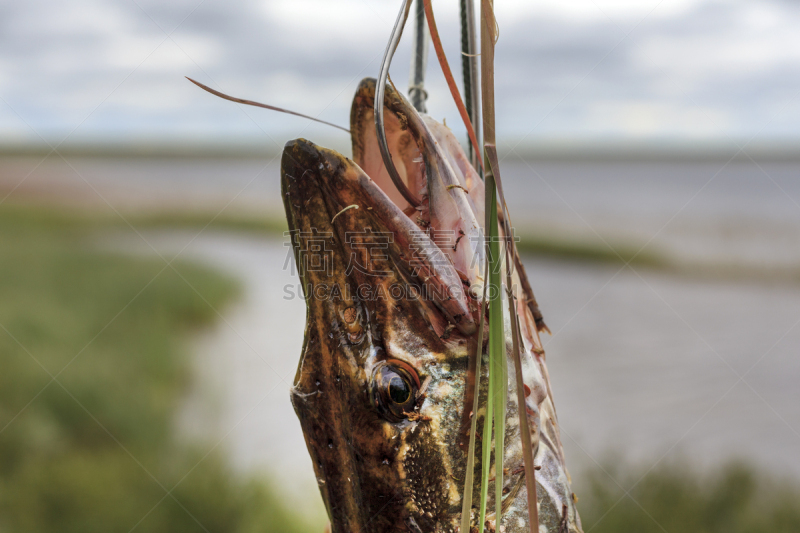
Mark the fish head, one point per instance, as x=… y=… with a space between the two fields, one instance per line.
x=380 y=382
x=392 y=293
x=390 y=321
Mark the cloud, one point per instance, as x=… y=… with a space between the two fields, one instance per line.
x=582 y=69
x=594 y=10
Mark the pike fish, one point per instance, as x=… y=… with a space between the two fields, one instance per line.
x=393 y=300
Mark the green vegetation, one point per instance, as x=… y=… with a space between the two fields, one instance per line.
x=66 y=218
x=529 y=245
x=674 y=498
x=601 y=253
x=585 y=252
x=93 y=450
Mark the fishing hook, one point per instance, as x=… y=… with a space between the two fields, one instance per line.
x=380 y=90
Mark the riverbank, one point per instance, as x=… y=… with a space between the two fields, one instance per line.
x=95 y=364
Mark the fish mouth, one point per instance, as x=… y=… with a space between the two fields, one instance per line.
x=435 y=247
x=341 y=220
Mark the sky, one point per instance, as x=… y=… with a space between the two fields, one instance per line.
x=567 y=70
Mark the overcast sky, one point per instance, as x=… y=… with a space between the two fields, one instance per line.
x=566 y=69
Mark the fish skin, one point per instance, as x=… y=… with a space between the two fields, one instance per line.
x=376 y=475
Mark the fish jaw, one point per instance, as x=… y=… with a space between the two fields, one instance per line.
x=434 y=167
x=374 y=474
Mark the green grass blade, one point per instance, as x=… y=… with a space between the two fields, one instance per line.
x=524 y=428
x=500 y=395
x=486 y=454
x=497 y=354
x=497 y=342
x=469 y=478
x=493 y=292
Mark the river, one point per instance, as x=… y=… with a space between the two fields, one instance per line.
x=645 y=365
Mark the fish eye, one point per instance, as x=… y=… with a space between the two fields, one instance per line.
x=393 y=389
x=399 y=389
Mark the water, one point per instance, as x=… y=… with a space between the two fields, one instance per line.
x=651 y=366
x=741 y=212
x=250 y=185
x=644 y=364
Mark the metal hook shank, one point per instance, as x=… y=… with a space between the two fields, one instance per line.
x=380 y=90
x=419 y=59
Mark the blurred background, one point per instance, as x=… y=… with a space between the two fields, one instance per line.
x=150 y=320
